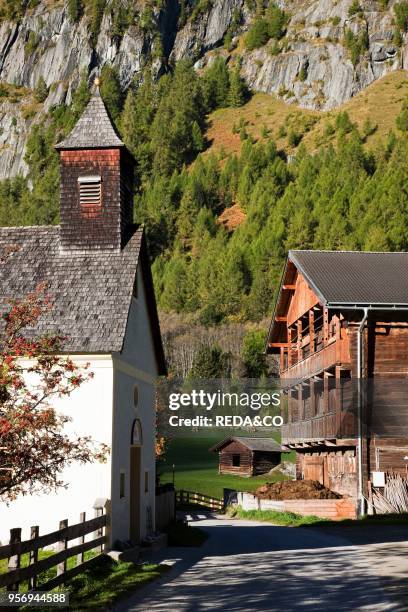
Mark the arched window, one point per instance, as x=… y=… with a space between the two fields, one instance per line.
x=137 y=436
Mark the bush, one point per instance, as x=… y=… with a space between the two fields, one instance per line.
x=356 y=45
x=354 y=8
x=41 y=91
x=343 y=123
x=401 y=15
x=303 y=72
x=402 y=119
x=294 y=138
x=277 y=21
x=258 y=34
x=74 y=8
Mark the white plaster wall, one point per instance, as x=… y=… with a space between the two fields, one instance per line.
x=90 y=406
x=135 y=365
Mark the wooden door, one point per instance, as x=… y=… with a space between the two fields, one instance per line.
x=313 y=469
x=134 y=530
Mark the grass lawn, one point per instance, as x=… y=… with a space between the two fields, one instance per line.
x=109 y=581
x=49 y=573
x=291 y=519
x=196 y=469
x=100 y=585
x=288 y=519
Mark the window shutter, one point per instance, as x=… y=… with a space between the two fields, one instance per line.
x=90 y=195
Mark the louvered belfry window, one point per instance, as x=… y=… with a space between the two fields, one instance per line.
x=90 y=195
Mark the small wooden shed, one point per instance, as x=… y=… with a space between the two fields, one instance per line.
x=247 y=456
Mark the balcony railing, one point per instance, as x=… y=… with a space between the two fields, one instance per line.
x=332 y=425
x=334 y=353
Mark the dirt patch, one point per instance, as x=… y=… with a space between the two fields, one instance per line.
x=295 y=489
x=232 y=217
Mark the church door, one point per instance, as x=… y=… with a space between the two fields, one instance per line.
x=135 y=452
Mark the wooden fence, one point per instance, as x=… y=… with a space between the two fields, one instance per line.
x=199 y=499
x=16 y=548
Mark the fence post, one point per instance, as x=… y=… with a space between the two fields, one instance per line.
x=80 y=556
x=99 y=506
x=15 y=560
x=34 y=532
x=62 y=545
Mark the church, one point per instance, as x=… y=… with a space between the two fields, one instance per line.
x=96 y=268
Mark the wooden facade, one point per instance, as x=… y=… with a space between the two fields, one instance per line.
x=318 y=354
x=247 y=456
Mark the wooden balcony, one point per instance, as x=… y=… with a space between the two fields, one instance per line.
x=330 y=426
x=334 y=353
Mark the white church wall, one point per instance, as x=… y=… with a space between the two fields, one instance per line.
x=135 y=365
x=90 y=407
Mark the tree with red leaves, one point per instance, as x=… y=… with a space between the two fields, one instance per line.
x=34 y=448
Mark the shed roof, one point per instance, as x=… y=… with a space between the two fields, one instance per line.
x=91 y=292
x=355 y=277
x=94 y=129
x=254 y=444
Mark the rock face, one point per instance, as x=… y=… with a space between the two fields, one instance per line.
x=312 y=69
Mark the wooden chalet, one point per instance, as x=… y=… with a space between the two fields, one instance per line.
x=247 y=456
x=340 y=327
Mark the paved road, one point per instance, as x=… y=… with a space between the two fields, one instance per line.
x=247 y=566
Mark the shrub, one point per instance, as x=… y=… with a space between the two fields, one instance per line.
x=335 y=20
x=74 y=8
x=277 y=21
x=343 y=123
x=41 y=91
x=294 y=138
x=257 y=35
x=356 y=45
x=354 y=8
x=303 y=72
x=401 y=15
x=31 y=44
x=402 y=119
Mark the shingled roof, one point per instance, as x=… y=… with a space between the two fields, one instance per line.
x=253 y=444
x=355 y=277
x=91 y=293
x=94 y=129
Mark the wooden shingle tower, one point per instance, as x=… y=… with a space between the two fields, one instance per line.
x=96 y=183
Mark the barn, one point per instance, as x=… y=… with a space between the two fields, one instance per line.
x=247 y=456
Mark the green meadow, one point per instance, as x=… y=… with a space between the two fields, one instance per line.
x=196 y=469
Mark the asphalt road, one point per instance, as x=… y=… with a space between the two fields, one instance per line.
x=246 y=566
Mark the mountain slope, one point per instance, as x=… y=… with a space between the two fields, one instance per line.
x=266 y=116
x=321 y=54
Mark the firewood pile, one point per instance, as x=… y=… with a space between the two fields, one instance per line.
x=394 y=498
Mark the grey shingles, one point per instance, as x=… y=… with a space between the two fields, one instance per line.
x=93 y=130
x=255 y=444
x=91 y=293
x=355 y=277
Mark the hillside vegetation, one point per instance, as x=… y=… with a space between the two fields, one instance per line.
x=298 y=180
x=266 y=116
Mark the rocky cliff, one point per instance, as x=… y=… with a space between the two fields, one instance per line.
x=312 y=66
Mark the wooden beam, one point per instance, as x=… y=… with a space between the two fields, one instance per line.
x=289 y=287
x=277 y=344
x=281 y=319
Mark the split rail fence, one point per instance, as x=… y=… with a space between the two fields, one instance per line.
x=13 y=551
x=184 y=497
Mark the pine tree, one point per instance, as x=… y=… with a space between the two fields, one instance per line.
x=75 y=9
x=111 y=91
x=253 y=354
x=238 y=90
x=41 y=90
x=198 y=140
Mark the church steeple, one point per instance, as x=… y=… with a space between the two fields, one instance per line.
x=96 y=183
